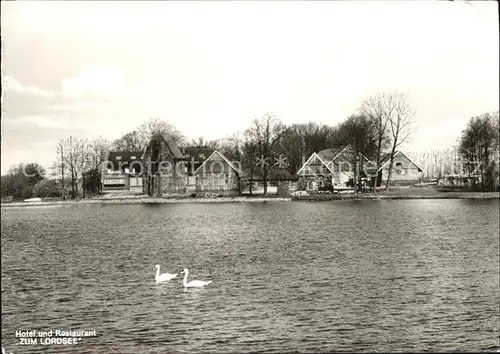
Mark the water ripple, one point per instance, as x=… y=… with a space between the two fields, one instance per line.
x=344 y=276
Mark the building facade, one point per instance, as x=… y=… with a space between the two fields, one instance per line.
x=165 y=167
x=123 y=173
x=404 y=170
x=328 y=168
x=217 y=175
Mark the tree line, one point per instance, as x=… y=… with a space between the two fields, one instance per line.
x=479 y=147
x=381 y=124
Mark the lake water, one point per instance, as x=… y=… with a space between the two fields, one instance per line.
x=396 y=275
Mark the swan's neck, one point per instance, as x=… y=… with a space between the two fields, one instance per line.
x=157 y=272
x=184 y=282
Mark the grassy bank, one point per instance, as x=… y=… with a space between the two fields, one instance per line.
x=146 y=200
x=406 y=193
x=395 y=193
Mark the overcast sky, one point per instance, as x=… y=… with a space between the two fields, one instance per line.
x=101 y=68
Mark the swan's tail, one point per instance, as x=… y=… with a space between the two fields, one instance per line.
x=208 y=282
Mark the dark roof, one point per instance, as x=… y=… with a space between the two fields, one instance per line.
x=314 y=166
x=196 y=156
x=199 y=154
x=335 y=156
x=328 y=155
x=224 y=158
x=387 y=157
x=172 y=146
x=340 y=154
x=115 y=157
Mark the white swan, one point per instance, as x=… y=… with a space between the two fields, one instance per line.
x=163 y=277
x=193 y=283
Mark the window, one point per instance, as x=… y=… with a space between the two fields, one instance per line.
x=136 y=182
x=136 y=169
x=114 y=181
x=132 y=157
x=399 y=168
x=126 y=170
x=202 y=156
x=118 y=158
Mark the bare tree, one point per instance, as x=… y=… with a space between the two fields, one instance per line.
x=357 y=131
x=299 y=141
x=156 y=126
x=72 y=162
x=266 y=133
x=249 y=156
x=129 y=142
x=201 y=142
x=137 y=139
x=83 y=162
x=401 y=124
x=231 y=147
x=60 y=164
x=378 y=109
x=97 y=152
x=439 y=164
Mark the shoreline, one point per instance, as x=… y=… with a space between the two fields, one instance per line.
x=145 y=200
x=240 y=199
x=381 y=196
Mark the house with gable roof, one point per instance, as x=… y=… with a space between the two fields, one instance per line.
x=404 y=170
x=316 y=172
x=196 y=157
x=165 y=167
x=217 y=175
x=171 y=169
x=329 y=167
